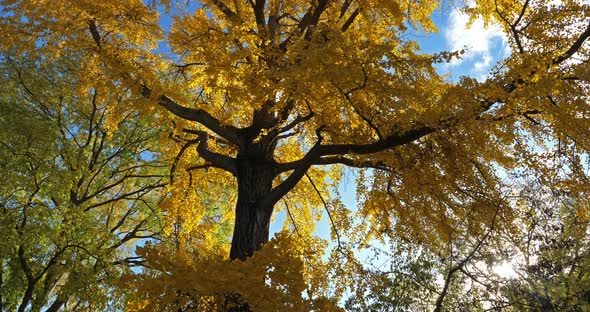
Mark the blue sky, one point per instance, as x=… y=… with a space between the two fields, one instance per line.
x=483 y=46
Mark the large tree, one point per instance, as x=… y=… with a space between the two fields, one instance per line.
x=269 y=97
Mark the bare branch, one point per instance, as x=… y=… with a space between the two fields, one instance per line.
x=291 y=217
x=286 y=135
x=461 y=264
x=513 y=29
x=139 y=192
x=327 y=211
x=179 y=155
x=121 y=221
x=132 y=262
x=368 y=121
x=129 y=235
x=299 y=119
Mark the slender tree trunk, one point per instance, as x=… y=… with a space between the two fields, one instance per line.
x=252 y=221
x=57 y=304
x=27 y=297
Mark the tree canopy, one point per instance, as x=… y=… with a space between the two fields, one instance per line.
x=75 y=197
x=264 y=103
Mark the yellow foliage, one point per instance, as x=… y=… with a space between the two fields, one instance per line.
x=271 y=280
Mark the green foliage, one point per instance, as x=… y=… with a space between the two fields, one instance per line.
x=554 y=254
x=75 y=196
x=408 y=285
x=540 y=263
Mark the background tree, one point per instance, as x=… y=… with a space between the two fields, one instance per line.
x=407 y=283
x=270 y=96
x=540 y=263
x=75 y=196
x=550 y=255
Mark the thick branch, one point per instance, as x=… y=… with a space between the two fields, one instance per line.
x=344 y=8
x=1 y=283
x=390 y=141
x=308 y=20
x=574 y=47
x=227 y=132
x=258 y=7
x=56 y=305
x=350 y=20
x=30 y=280
x=218 y=160
x=333 y=160
x=300 y=170
x=336 y=152
x=223 y=8
x=94 y=32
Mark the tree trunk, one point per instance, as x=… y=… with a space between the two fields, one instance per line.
x=27 y=297
x=252 y=221
x=57 y=304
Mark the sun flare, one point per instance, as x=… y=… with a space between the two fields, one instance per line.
x=505 y=270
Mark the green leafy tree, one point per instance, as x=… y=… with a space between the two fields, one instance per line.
x=75 y=197
x=540 y=263
x=551 y=257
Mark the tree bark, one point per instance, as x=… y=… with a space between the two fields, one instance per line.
x=252 y=222
x=255 y=174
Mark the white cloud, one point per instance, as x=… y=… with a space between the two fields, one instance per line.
x=481 y=44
